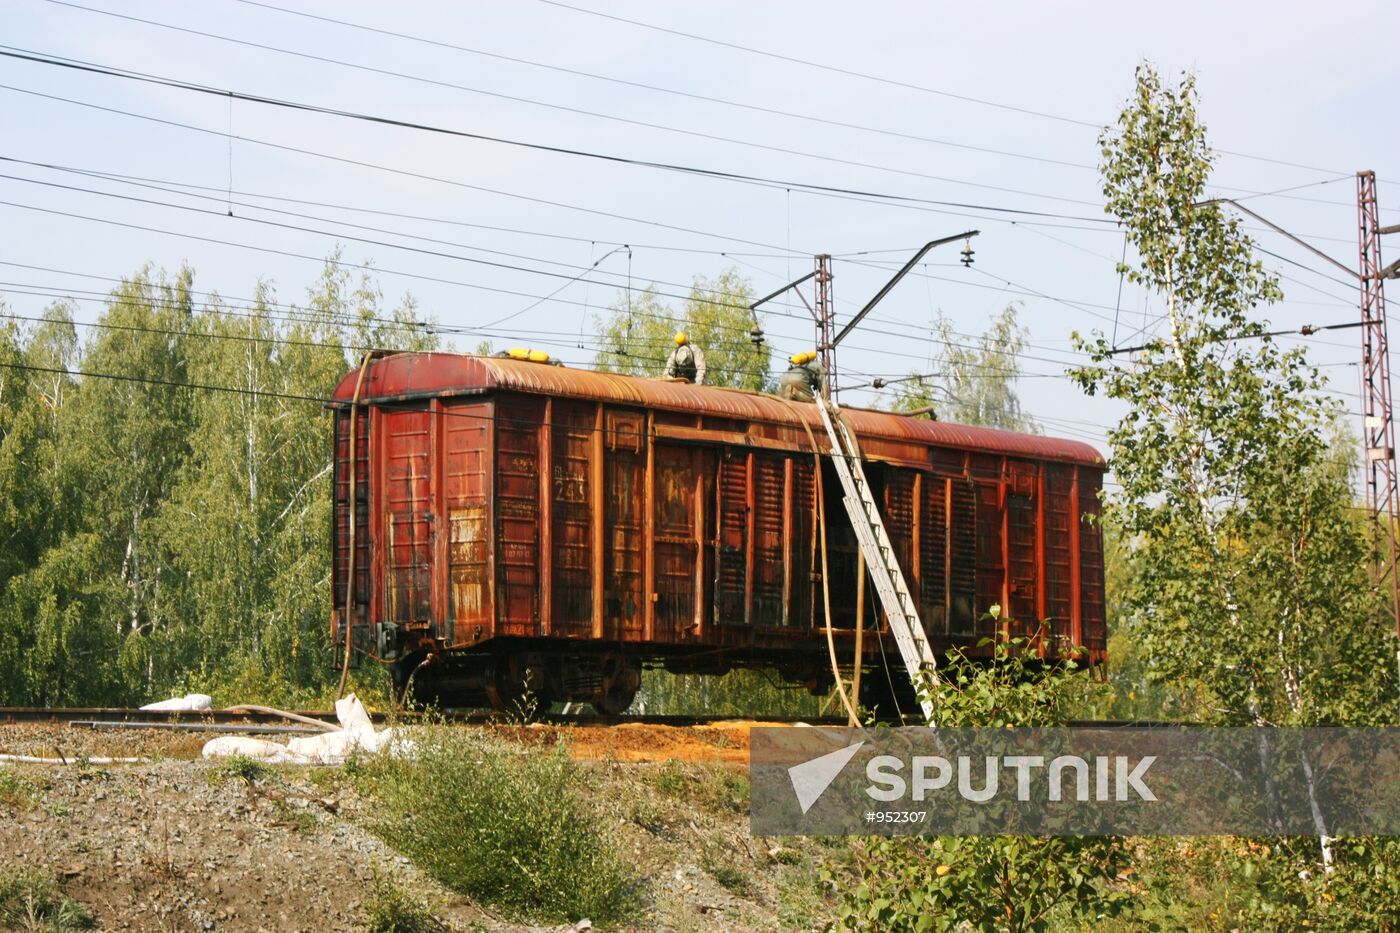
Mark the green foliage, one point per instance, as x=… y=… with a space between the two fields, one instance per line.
x=977 y=382
x=391 y=910
x=240 y=768
x=1228 y=882
x=743 y=693
x=160 y=538
x=32 y=902
x=1247 y=588
x=15 y=791
x=1011 y=689
x=637 y=335
x=514 y=830
x=716 y=788
x=1016 y=883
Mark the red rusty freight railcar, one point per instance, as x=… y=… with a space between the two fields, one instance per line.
x=538 y=529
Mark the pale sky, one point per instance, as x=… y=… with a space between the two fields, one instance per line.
x=1292 y=82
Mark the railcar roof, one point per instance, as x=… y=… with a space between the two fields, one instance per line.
x=400 y=376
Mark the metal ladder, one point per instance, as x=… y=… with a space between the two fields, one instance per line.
x=900 y=610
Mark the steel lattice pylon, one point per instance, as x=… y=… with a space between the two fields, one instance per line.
x=826 y=322
x=1378 y=428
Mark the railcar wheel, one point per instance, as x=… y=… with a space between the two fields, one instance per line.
x=616 y=701
x=518 y=688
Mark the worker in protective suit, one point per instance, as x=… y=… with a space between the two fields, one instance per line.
x=804 y=378
x=686 y=361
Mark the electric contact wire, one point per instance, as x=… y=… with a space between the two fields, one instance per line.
x=1282 y=193
x=405 y=173
x=713 y=137
x=420 y=276
x=771 y=111
x=26 y=55
x=891 y=81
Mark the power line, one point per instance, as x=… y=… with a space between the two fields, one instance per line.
x=26 y=55
x=420 y=176
x=294 y=227
x=558 y=107
x=891 y=82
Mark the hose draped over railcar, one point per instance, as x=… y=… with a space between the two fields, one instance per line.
x=538 y=532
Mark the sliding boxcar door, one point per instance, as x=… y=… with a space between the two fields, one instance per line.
x=408 y=519
x=572 y=538
x=466 y=482
x=624 y=506
x=732 y=538
x=518 y=423
x=678 y=495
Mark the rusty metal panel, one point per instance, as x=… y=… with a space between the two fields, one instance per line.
x=933 y=555
x=676 y=542
x=732 y=538
x=769 y=498
x=1091 y=585
x=517 y=502
x=962 y=562
x=1059 y=554
x=803 y=553
x=572 y=518
x=409 y=521
x=624 y=497
x=341 y=532
x=466 y=484
x=949 y=462
x=898 y=513
x=843 y=553
x=991 y=554
x=1022 y=574
x=418 y=374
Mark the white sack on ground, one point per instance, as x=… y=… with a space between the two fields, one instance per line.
x=191 y=703
x=327 y=748
x=227 y=746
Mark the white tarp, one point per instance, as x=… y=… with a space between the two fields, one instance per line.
x=190 y=703
x=329 y=748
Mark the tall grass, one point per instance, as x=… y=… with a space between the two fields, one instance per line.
x=512 y=829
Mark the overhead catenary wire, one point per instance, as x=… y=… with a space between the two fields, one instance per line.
x=893 y=82
x=81 y=65
x=712 y=137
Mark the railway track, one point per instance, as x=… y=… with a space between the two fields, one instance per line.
x=119 y=717
x=97 y=717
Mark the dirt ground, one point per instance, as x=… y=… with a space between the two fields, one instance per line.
x=171 y=844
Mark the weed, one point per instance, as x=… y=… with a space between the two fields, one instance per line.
x=723 y=864
x=392 y=911
x=669 y=779
x=240 y=768
x=724 y=789
x=33 y=902
x=299 y=819
x=719 y=789
x=518 y=831
x=16 y=792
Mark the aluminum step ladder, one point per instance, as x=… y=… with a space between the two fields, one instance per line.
x=900 y=611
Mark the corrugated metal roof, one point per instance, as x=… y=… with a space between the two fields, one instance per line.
x=401 y=375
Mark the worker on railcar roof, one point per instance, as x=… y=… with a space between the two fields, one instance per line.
x=804 y=378
x=686 y=362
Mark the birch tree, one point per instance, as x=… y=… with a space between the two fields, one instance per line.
x=1248 y=585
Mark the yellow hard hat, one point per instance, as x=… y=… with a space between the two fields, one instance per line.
x=680 y=339
x=797 y=359
x=539 y=356
x=518 y=353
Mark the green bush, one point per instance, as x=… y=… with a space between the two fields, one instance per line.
x=33 y=902
x=390 y=910
x=514 y=830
